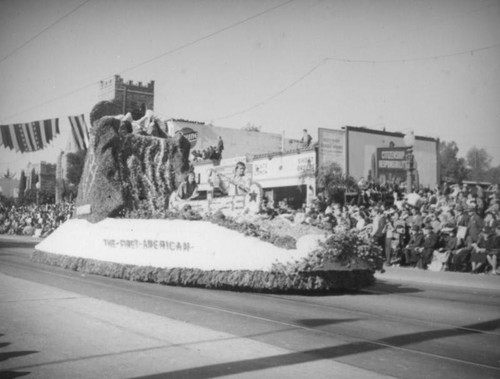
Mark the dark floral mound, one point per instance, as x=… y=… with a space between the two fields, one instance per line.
x=347 y=250
x=344 y=261
x=239 y=280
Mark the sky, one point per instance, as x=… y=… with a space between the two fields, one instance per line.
x=427 y=66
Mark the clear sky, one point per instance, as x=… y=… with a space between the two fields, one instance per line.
x=431 y=66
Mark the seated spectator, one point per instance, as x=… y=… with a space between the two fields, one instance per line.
x=492 y=255
x=481 y=249
x=411 y=252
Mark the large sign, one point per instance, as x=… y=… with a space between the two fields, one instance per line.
x=331 y=147
x=391 y=164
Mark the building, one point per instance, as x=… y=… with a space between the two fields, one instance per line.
x=129 y=96
x=282 y=175
x=45 y=174
x=237 y=142
x=9 y=187
x=376 y=155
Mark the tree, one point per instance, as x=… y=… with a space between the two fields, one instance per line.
x=479 y=162
x=34 y=178
x=333 y=184
x=251 y=128
x=8 y=175
x=75 y=163
x=22 y=184
x=452 y=168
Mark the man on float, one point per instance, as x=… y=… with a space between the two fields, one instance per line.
x=240 y=183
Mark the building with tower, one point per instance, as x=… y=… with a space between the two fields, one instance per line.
x=133 y=97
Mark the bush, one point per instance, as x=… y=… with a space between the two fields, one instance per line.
x=346 y=249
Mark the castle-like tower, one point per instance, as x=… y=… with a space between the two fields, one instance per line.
x=131 y=97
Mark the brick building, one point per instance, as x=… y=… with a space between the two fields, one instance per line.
x=133 y=97
x=46 y=174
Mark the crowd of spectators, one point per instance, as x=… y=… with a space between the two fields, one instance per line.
x=211 y=152
x=450 y=228
x=34 y=220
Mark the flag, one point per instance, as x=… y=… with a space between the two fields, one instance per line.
x=28 y=137
x=80 y=131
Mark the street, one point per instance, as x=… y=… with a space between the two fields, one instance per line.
x=58 y=323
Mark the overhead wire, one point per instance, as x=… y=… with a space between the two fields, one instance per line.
x=169 y=52
x=348 y=60
x=43 y=31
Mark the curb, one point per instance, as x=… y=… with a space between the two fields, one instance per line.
x=442 y=278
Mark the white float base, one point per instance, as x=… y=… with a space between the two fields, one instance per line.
x=170 y=243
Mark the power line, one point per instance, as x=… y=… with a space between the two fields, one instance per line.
x=296 y=81
x=179 y=48
x=43 y=31
x=409 y=60
x=347 y=60
x=182 y=47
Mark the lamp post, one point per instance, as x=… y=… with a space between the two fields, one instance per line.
x=409 y=140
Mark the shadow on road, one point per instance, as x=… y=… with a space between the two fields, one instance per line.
x=7 y=374
x=249 y=365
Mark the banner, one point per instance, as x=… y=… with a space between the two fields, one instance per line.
x=79 y=131
x=28 y=137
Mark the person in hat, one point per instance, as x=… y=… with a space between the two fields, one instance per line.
x=475 y=224
x=481 y=248
x=410 y=252
x=462 y=216
x=492 y=255
x=428 y=246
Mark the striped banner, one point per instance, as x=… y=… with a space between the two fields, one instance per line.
x=80 y=131
x=28 y=137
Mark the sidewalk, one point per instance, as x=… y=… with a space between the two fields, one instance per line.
x=444 y=278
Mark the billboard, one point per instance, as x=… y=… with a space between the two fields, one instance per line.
x=362 y=145
x=331 y=147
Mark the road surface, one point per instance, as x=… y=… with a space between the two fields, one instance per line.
x=57 y=323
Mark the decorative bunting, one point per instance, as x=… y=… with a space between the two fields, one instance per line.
x=80 y=131
x=28 y=137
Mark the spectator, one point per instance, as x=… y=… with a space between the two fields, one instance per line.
x=481 y=249
x=306 y=139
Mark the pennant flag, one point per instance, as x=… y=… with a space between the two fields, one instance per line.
x=80 y=131
x=30 y=136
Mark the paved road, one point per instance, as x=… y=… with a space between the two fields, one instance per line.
x=56 y=323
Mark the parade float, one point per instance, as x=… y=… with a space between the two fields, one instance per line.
x=129 y=225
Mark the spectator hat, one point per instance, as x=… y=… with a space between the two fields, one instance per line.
x=488 y=230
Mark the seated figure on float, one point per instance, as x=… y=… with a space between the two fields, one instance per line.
x=237 y=193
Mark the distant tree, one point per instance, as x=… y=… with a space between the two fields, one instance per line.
x=8 y=175
x=22 y=184
x=332 y=183
x=493 y=175
x=34 y=179
x=452 y=168
x=479 y=162
x=75 y=163
x=251 y=128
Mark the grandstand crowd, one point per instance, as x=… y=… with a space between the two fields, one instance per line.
x=450 y=228
x=34 y=220
x=447 y=229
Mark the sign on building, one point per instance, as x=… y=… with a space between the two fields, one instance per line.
x=391 y=164
x=331 y=147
